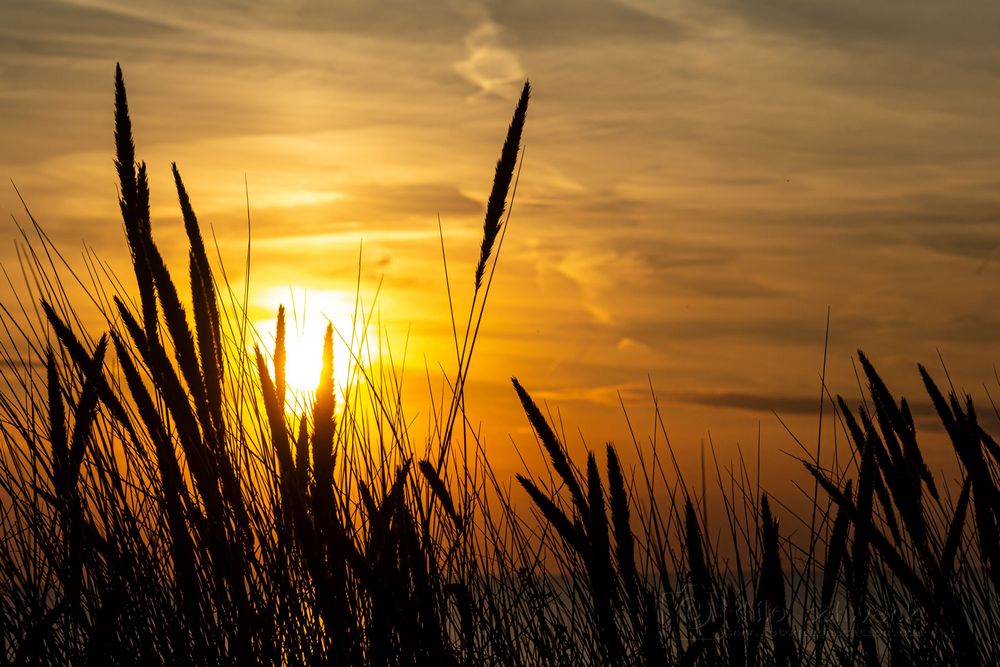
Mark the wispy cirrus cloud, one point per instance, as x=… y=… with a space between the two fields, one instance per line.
x=489 y=64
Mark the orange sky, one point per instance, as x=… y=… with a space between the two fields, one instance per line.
x=702 y=181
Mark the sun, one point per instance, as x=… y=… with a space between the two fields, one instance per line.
x=307 y=315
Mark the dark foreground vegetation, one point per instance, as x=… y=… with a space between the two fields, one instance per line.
x=166 y=500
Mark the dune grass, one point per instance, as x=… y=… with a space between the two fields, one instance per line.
x=165 y=500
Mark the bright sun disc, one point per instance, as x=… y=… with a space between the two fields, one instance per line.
x=305 y=327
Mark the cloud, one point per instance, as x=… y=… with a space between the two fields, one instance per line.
x=557 y=24
x=489 y=65
x=389 y=203
x=981 y=244
x=847 y=23
x=782 y=404
x=608 y=395
x=788 y=404
x=981 y=327
x=763 y=329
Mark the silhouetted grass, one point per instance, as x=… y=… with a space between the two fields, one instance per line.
x=168 y=500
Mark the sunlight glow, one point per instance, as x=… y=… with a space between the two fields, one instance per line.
x=307 y=314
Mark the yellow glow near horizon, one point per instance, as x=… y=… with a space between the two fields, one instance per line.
x=307 y=314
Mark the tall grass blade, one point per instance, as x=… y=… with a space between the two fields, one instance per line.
x=501 y=183
x=556 y=452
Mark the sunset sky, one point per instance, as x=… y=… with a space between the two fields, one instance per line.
x=701 y=182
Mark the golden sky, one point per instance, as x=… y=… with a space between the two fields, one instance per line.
x=702 y=181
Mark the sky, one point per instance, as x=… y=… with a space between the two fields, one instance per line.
x=702 y=183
